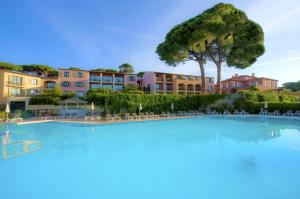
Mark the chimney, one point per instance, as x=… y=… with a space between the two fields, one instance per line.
x=236 y=75
x=253 y=74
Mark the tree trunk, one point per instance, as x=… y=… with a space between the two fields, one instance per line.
x=203 y=79
x=219 y=78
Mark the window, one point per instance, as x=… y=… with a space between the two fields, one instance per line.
x=66 y=84
x=107 y=78
x=211 y=80
x=34 y=81
x=118 y=87
x=95 y=78
x=210 y=88
x=79 y=84
x=158 y=87
x=96 y=86
x=50 y=85
x=15 y=80
x=34 y=92
x=79 y=93
x=79 y=74
x=131 y=78
x=119 y=79
x=66 y=74
x=168 y=87
x=109 y=86
x=15 y=92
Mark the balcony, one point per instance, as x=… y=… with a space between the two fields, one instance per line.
x=107 y=79
x=119 y=80
x=15 y=83
x=95 y=79
x=159 y=78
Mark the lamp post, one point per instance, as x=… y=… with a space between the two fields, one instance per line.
x=172 y=107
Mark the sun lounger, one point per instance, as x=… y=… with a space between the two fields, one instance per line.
x=109 y=117
x=226 y=112
x=143 y=116
x=263 y=112
x=117 y=117
x=297 y=114
x=243 y=112
x=163 y=114
x=155 y=115
x=135 y=116
x=289 y=113
x=275 y=112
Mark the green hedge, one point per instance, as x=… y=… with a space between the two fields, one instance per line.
x=151 y=103
x=272 y=97
x=254 y=108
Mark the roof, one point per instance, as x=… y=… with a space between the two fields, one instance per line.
x=237 y=78
x=174 y=74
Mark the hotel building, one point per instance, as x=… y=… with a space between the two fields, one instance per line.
x=75 y=81
x=111 y=80
x=243 y=82
x=167 y=83
x=18 y=87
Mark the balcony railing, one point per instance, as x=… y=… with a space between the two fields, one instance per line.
x=95 y=79
x=15 y=83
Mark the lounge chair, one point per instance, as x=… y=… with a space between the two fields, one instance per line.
x=289 y=113
x=127 y=116
x=243 y=112
x=143 y=116
x=275 y=112
x=169 y=114
x=163 y=114
x=155 y=115
x=135 y=116
x=117 y=117
x=109 y=117
x=263 y=112
x=150 y=116
x=297 y=113
x=226 y=112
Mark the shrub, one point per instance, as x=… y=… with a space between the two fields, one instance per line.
x=151 y=103
x=272 y=97
x=254 y=108
x=3 y=115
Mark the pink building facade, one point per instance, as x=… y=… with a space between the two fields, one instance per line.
x=168 y=83
x=76 y=81
x=244 y=82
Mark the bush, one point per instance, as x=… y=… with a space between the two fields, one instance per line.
x=151 y=103
x=52 y=97
x=254 y=108
x=271 y=97
x=3 y=115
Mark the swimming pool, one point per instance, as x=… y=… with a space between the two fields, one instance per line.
x=209 y=158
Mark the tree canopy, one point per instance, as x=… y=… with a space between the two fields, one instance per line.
x=41 y=69
x=105 y=70
x=9 y=66
x=220 y=34
x=131 y=89
x=126 y=68
x=293 y=86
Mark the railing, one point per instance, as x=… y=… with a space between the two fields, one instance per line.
x=15 y=83
x=95 y=79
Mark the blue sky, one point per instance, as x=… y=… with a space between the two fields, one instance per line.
x=107 y=33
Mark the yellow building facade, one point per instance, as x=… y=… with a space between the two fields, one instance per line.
x=17 y=87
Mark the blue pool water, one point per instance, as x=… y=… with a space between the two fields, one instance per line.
x=209 y=158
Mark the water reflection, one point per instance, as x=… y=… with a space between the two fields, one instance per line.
x=13 y=149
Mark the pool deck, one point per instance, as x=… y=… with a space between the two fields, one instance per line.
x=96 y=121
